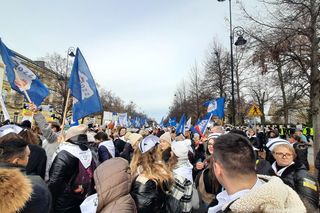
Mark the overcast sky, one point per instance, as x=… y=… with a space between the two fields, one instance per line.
x=139 y=49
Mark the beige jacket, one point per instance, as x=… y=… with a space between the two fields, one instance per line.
x=113 y=184
x=272 y=197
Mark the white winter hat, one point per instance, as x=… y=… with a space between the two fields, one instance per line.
x=273 y=142
x=214 y=135
x=166 y=137
x=180 y=149
x=148 y=143
x=6 y=129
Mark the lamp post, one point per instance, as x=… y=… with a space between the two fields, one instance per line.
x=70 y=53
x=240 y=41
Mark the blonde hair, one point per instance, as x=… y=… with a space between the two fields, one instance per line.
x=287 y=146
x=151 y=167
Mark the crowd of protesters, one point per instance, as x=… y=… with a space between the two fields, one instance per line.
x=103 y=169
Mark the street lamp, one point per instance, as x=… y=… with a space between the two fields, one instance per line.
x=70 y=53
x=240 y=41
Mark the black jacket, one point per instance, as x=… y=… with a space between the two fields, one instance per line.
x=298 y=178
x=302 y=153
x=41 y=198
x=37 y=161
x=119 y=144
x=148 y=197
x=63 y=171
x=317 y=165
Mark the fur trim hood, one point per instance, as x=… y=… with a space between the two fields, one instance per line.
x=272 y=196
x=15 y=190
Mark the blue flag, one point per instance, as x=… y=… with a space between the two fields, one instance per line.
x=216 y=107
x=182 y=123
x=172 y=122
x=136 y=122
x=83 y=89
x=19 y=76
x=202 y=125
x=192 y=128
x=161 y=123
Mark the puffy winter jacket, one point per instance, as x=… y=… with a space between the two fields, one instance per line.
x=147 y=196
x=113 y=187
x=16 y=184
x=63 y=171
x=298 y=178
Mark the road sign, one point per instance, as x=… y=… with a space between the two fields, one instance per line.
x=255 y=111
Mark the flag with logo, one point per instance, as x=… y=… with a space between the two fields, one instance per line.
x=21 y=77
x=172 y=121
x=86 y=99
x=188 y=124
x=181 y=125
x=216 y=107
x=202 y=125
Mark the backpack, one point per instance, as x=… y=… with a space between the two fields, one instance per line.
x=83 y=183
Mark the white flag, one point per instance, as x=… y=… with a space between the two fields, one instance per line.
x=4 y=109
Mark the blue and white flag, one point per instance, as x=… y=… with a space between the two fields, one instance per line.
x=137 y=122
x=188 y=124
x=22 y=78
x=180 y=129
x=202 y=125
x=83 y=89
x=143 y=121
x=172 y=121
x=216 y=107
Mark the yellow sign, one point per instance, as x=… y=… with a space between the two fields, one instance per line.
x=255 y=111
x=26 y=112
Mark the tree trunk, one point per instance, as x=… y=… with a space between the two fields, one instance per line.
x=315 y=80
x=284 y=98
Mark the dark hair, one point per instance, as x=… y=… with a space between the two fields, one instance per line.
x=12 y=145
x=121 y=129
x=55 y=125
x=29 y=136
x=101 y=136
x=239 y=132
x=80 y=140
x=25 y=124
x=235 y=153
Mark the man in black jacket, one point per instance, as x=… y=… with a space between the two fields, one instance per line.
x=66 y=193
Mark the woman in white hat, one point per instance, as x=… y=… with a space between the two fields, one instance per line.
x=150 y=187
x=295 y=175
x=182 y=171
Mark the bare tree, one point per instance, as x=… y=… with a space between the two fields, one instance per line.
x=299 y=22
x=58 y=64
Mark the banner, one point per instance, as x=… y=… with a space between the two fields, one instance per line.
x=123 y=119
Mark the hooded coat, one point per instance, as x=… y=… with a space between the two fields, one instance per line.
x=38 y=198
x=113 y=187
x=15 y=190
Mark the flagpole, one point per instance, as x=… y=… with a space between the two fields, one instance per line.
x=65 y=111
